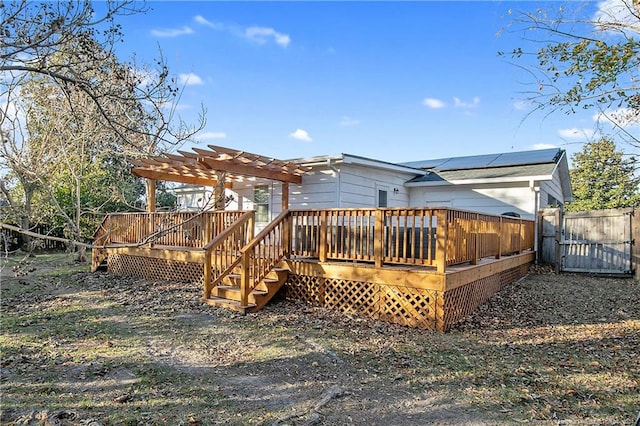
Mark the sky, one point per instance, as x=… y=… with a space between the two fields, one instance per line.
x=393 y=81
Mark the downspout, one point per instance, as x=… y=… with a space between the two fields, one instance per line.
x=536 y=206
x=336 y=173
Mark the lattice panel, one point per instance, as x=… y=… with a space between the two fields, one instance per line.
x=305 y=288
x=463 y=300
x=352 y=297
x=158 y=269
x=400 y=305
x=409 y=306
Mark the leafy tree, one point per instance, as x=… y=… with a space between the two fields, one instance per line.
x=603 y=179
x=586 y=63
x=73 y=114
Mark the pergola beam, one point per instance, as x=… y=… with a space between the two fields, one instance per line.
x=204 y=166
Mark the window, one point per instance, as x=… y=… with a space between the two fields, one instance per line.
x=382 y=198
x=261 y=202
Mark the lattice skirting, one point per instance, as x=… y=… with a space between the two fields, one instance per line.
x=397 y=304
x=462 y=301
x=156 y=269
x=415 y=307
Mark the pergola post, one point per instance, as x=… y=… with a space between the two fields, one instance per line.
x=151 y=195
x=151 y=208
x=285 y=196
x=286 y=230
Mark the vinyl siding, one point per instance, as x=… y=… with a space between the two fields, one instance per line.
x=492 y=199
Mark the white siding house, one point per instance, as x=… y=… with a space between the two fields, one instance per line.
x=519 y=182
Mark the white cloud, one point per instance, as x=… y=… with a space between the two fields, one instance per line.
x=521 y=105
x=614 y=15
x=433 y=103
x=172 y=32
x=300 y=135
x=575 y=133
x=543 y=146
x=621 y=117
x=348 y=121
x=203 y=21
x=189 y=79
x=458 y=103
x=211 y=135
x=262 y=35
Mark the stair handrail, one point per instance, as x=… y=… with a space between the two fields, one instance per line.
x=247 y=220
x=251 y=276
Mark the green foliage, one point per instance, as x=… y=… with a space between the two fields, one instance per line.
x=603 y=179
x=586 y=61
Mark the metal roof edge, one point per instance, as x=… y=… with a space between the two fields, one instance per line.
x=364 y=161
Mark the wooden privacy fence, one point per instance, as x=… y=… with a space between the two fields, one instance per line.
x=437 y=237
x=595 y=241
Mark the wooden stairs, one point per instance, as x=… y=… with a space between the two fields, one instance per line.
x=227 y=294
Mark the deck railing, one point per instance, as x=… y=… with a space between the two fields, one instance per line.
x=438 y=237
x=179 y=229
x=223 y=253
x=263 y=253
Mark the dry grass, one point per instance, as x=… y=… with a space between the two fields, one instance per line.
x=81 y=348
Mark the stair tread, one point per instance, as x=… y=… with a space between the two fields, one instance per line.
x=237 y=289
x=222 y=302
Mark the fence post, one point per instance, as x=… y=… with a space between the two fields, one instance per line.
x=378 y=238
x=557 y=217
x=441 y=240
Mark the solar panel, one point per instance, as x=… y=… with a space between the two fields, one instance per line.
x=488 y=160
x=426 y=164
x=526 y=157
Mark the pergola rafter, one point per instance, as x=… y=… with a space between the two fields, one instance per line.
x=208 y=166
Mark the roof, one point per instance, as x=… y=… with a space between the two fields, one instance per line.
x=504 y=167
x=520 y=158
x=359 y=160
x=510 y=172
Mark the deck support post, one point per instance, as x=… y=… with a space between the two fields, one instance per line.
x=322 y=243
x=207 y=275
x=441 y=240
x=476 y=240
x=244 y=279
x=378 y=246
x=499 y=254
x=520 y=239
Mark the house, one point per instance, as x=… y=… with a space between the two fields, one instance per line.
x=192 y=197
x=345 y=232
x=516 y=182
x=519 y=182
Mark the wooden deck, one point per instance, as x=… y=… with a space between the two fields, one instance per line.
x=426 y=268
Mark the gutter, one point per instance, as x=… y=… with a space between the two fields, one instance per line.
x=475 y=181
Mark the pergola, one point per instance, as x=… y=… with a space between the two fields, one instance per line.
x=215 y=166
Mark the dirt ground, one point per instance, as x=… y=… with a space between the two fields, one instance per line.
x=95 y=349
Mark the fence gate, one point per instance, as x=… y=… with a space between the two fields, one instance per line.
x=598 y=241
